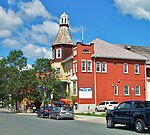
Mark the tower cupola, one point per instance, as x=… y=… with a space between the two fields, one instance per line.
x=64 y=20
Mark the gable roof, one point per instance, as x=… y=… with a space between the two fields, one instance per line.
x=107 y=50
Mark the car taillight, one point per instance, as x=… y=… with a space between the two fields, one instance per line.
x=46 y=111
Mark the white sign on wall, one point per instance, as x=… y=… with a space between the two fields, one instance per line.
x=85 y=92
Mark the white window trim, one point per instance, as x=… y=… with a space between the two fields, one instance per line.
x=124 y=90
x=138 y=69
x=74 y=51
x=139 y=91
x=57 y=53
x=99 y=66
x=105 y=67
x=116 y=86
x=88 y=65
x=124 y=68
x=85 y=65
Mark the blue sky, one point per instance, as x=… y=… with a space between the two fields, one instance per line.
x=31 y=25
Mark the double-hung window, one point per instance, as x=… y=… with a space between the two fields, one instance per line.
x=125 y=68
x=116 y=90
x=83 y=65
x=98 y=67
x=58 y=72
x=136 y=69
x=126 y=90
x=89 y=62
x=137 y=90
x=104 y=67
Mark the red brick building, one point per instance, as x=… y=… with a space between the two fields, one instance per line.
x=98 y=71
x=108 y=72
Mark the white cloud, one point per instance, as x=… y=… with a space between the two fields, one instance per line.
x=34 y=9
x=76 y=29
x=34 y=52
x=139 y=9
x=5 y=33
x=12 y=43
x=47 y=27
x=9 y=20
x=11 y=2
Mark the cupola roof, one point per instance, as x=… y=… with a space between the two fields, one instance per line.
x=64 y=35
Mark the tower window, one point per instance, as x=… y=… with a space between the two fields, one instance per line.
x=62 y=20
x=65 y=20
x=58 y=53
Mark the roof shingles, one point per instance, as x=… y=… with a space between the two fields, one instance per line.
x=106 y=50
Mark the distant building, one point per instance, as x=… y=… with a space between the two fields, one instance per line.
x=97 y=71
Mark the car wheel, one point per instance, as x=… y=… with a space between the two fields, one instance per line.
x=57 y=117
x=110 y=123
x=105 y=110
x=96 y=110
x=42 y=115
x=139 y=126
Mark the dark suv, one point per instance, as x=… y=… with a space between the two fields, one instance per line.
x=44 y=111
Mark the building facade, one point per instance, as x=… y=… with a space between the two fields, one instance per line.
x=97 y=71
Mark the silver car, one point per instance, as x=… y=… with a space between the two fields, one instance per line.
x=62 y=112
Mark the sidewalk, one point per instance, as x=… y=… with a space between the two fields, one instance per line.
x=91 y=119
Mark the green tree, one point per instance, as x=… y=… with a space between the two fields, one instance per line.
x=14 y=80
x=48 y=80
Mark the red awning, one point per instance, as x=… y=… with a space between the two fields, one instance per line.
x=66 y=101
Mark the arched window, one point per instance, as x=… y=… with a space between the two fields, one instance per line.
x=86 y=51
x=62 y=20
x=65 y=21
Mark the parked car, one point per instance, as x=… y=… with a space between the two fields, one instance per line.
x=44 y=111
x=132 y=113
x=106 y=105
x=62 y=112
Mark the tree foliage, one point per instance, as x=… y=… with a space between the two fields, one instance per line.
x=48 y=81
x=35 y=84
x=14 y=80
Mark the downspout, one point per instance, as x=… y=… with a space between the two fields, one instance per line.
x=146 y=88
x=95 y=80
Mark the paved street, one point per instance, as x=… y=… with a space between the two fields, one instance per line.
x=14 y=124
